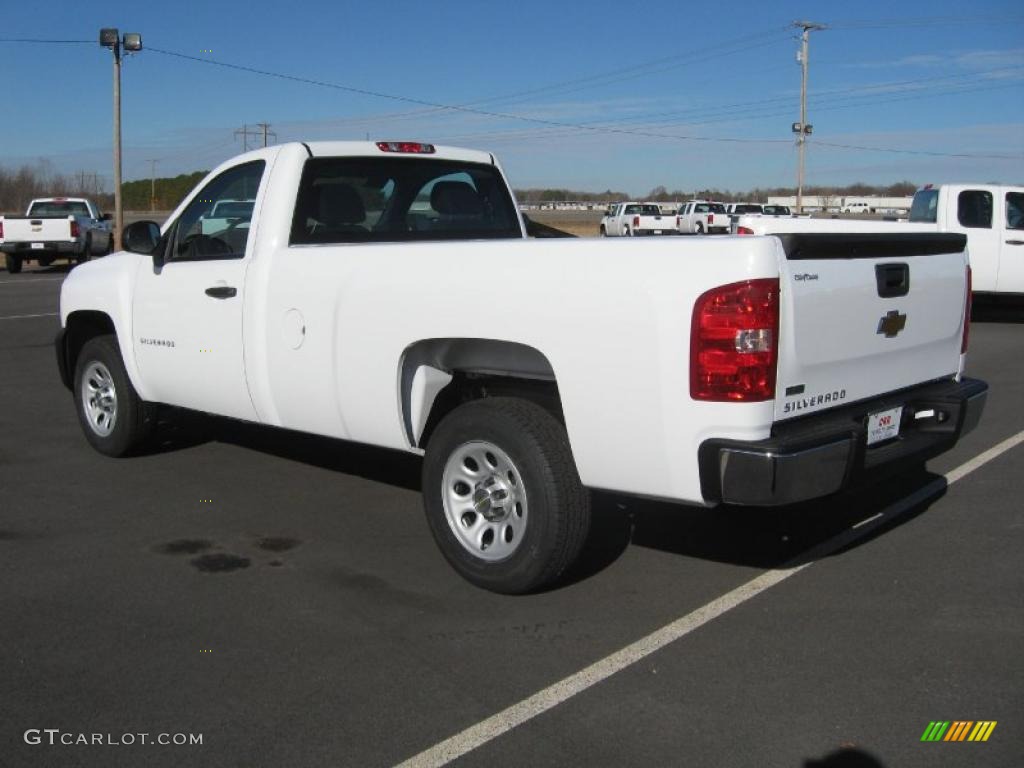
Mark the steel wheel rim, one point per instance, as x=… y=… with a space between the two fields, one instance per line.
x=99 y=398
x=484 y=500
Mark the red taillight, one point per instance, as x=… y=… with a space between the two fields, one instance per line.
x=967 y=313
x=744 y=231
x=677 y=225
x=74 y=229
x=1 y=229
x=636 y=221
x=711 y=218
x=407 y=147
x=734 y=342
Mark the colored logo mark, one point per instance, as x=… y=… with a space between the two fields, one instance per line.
x=958 y=730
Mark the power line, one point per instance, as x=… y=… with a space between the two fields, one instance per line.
x=452 y=107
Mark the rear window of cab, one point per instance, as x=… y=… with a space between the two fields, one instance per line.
x=399 y=199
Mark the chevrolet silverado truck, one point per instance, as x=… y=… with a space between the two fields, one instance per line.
x=386 y=293
x=699 y=217
x=53 y=228
x=634 y=219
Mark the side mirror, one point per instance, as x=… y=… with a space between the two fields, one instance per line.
x=141 y=237
x=105 y=217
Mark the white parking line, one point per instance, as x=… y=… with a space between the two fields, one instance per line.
x=22 y=317
x=487 y=730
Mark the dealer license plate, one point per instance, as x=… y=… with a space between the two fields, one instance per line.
x=39 y=246
x=884 y=425
x=657 y=231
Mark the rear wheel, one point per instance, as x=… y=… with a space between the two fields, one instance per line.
x=13 y=263
x=699 y=228
x=115 y=420
x=502 y=496
x=86 y=251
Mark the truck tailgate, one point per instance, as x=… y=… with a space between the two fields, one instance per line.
x=20 y=229
x=866 y=314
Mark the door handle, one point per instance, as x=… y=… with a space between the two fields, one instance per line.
x=221 y=291
x=1015 y=242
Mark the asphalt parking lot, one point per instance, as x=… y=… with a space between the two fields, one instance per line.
x=280 y=595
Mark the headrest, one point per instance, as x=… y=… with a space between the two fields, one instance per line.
x=455 y=198
x=340 y=204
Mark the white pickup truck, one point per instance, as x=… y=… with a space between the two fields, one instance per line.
x=385 y=293
x=53 y=228
x=700 y=217
x=633 y=219
x=990 y=216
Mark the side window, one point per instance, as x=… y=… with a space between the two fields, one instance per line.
x=974 y=209
x=1015 y=210
x=215 y=225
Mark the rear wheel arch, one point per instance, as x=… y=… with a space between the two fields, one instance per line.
x=438 y=375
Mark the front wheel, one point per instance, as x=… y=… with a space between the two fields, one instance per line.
x=13 y=263
x=604 y=232
x=502 y=496
x=699 y=228
x=115 y=420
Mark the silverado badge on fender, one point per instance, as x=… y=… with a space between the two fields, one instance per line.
x=892 y=323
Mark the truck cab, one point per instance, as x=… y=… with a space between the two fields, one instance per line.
x=992 y=217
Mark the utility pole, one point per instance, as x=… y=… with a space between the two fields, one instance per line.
x=263 y=132
x=802 y=129
x=266 y=130
x=244 y=130
x=152 y=183
x=111 y=38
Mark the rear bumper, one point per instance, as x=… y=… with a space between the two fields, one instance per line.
x=820 y=454
x=25 y=249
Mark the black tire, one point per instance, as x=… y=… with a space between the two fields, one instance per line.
x=555 y=510
x=604 y=233
x=86 y=251
x=13 y=263
x=133 y=420
x=699 y=228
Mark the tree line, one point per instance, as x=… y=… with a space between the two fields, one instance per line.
x=20 y=185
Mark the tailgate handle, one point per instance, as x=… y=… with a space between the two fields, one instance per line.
x=893 y=280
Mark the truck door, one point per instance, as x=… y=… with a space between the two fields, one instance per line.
x=974 y=217
x=1011 y=246
x=187 y=316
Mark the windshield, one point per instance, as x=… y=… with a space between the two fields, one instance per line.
x=776 y=210
x=716 y=208
x=59 y=208
x=748 y=208
x=925 y=206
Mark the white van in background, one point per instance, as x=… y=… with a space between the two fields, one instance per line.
x=992 y=217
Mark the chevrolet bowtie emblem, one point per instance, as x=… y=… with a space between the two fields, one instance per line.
x=892 y=323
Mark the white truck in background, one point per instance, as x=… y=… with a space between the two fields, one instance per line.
x=990 y=216
x=385 y=293
x=53 y=228
x=634 y=219
x=702 y=217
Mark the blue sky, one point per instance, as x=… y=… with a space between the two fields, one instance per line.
x=612 y=96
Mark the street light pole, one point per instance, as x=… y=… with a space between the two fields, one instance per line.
x=802 y=128
x=110 y=38
x=118 y=209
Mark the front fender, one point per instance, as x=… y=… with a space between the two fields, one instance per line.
x=106 y=286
